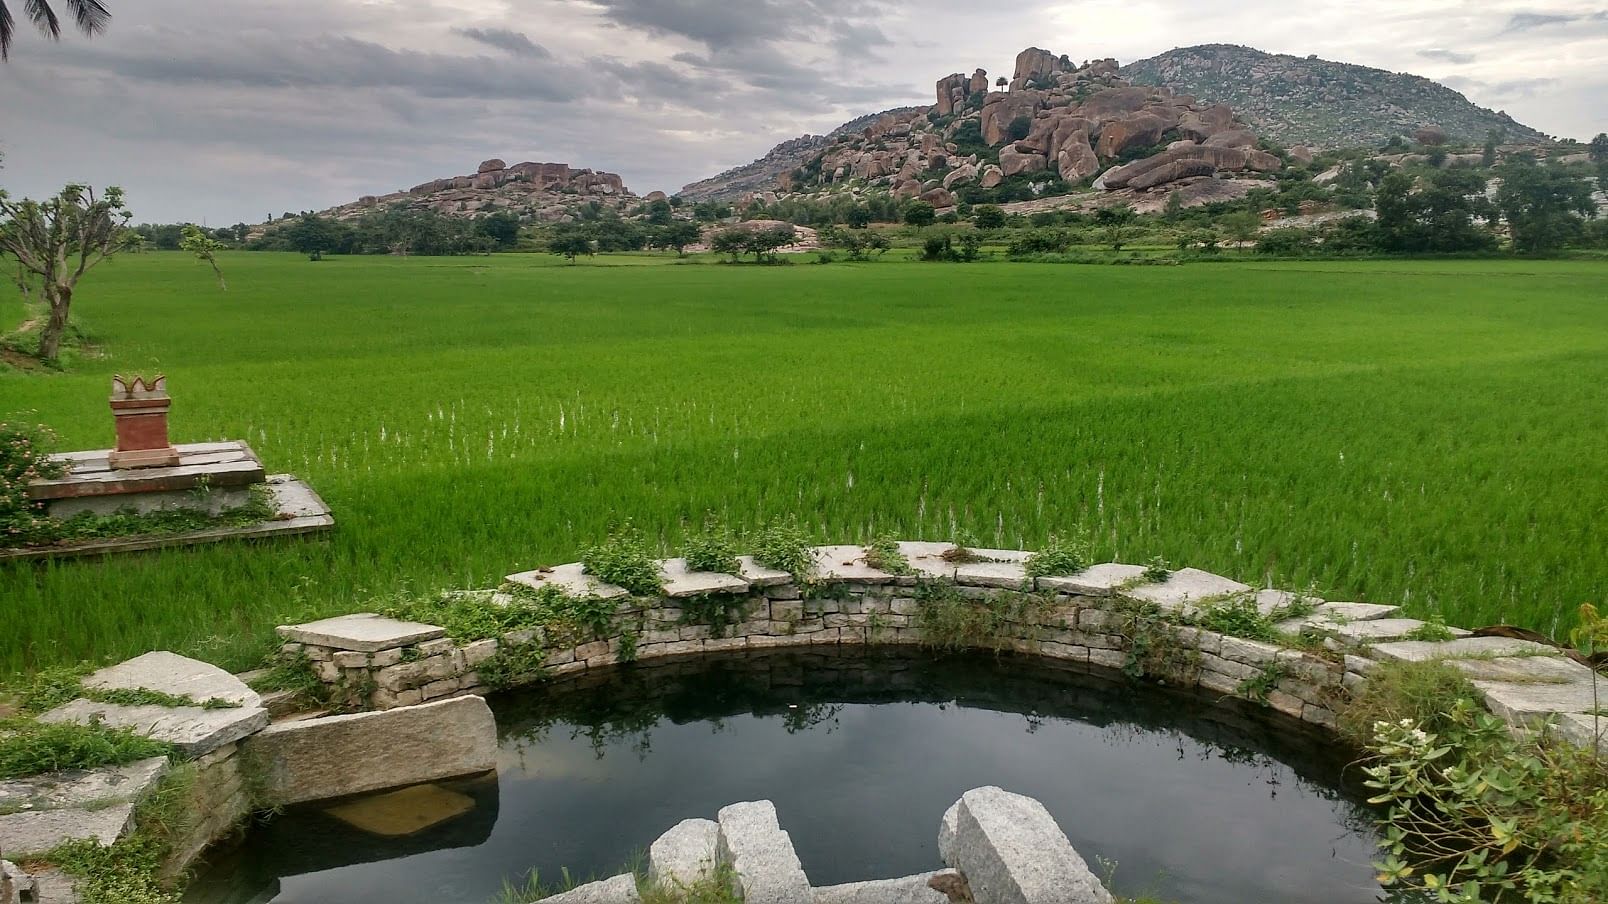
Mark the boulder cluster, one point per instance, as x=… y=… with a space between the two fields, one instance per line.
x=1054 y=116
x=542 y=192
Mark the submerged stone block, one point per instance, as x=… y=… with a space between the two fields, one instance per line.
x=908 y=890
x=621 y=889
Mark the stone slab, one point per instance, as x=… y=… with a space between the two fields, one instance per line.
x=908 y=890
x=1330 y=614
x=1584 y=730
x=1012 y=852
x=94 y=476
x=684 y=855
x=1002 y=555
x=300 y=509
x=1461 y=648
x=216 y=502
x=1529 y=703
x=572 y=579
x=1097 y=580
x=846 y=563
x=33 y=832
x=758 y=575
x=1381 y=630
x=1185 y=589
x=621 y=889
x=336 y=756
x=404 y=812
x=1526 y=670
x=761 y=855
x=192 y=730
x=171 y=673
x=927 y=558
x=1005 y=575
x=679 y=582
x=80 y=788
x=364 y=632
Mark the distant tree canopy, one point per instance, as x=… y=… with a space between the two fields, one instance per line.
x=919 y=213
x=1438 y=217
x=1545 y=206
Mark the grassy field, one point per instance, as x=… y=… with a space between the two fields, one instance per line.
x=1427 y=433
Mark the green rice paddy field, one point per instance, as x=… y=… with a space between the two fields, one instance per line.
x=1432 y=433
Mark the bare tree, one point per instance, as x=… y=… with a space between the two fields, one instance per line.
x=89 y=15
x=60 y=240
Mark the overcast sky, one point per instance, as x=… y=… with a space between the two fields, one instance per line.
x=221 y=111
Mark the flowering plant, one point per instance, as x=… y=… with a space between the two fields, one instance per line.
x=24 y=458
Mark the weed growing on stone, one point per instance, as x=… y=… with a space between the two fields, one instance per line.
x=31 y=748
x=1061 y=556
x=1257 y=687
x=712 y=548
x=883 y=554
x=294 y=674
x=1153 y=648
x=513 y=665
x=717 y=610
x=1157 y=571
x=784 y=546
x=626 y=560
x=949 y=620
x=125 y=872
x=1433 y=629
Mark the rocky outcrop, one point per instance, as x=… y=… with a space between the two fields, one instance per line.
x=535 y=192
x=1324 y=104
x=1013 y=162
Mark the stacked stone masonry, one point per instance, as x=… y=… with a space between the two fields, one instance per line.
x=1083 y=618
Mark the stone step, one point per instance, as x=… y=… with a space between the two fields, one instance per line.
x=1097 y=580
x=1461 y=648
x=170 y=673
x=679 y=582
x=362 y=632
x=1186 y=589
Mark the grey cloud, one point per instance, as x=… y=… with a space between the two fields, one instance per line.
x=1449 y=56
x=722 y=24
x=514 y=42
x=273 y=61
x=1526 y=21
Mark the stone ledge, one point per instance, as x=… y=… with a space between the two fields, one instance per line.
x=192 y=730
x=571 y=579
x=363 y=632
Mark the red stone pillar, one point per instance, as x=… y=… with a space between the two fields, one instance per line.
x=141 y=413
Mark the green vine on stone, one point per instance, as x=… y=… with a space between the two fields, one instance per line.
x=712 y=548
x=784 y=546
x=625 y=560
x=1061 y=556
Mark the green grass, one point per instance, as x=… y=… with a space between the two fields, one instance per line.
x=1418 y=432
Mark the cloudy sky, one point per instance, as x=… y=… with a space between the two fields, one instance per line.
x=228 y=110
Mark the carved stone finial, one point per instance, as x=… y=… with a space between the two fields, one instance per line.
x=140 y=407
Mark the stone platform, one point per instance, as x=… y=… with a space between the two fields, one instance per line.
x=299 y=510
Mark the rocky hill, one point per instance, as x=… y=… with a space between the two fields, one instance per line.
x=1297 y=100
x=1057 y=124
x=540 y=192
x=764 y=173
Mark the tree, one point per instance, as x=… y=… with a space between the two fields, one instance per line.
x=205 y=248
x=501 y=229
x=762 y=243
x=677 y=235
x=919 y=213
x=858 y=217
x=1001 y=82
x=89 y=15
x=988 y=216
x=1545 y=206
x=1598 y=149
x=730 y=241
x=1437 y=216
x=59 y=240
x=1241 y=226
x=1114 y=221
x=659 y=213
x=570 y=241
x=312 y=235
x=1488 y=155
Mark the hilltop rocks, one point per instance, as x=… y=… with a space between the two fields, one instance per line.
x=1136 y=131
x=492 y=166
x=1055 y=117
x=540 y=192
x=1013 y=161
x=1430 y=136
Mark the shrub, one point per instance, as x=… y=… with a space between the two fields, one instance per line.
x=1474 y=813
x=625 y=560
x=24 y=458
x=988 y=216
x=712 y=548
x=1157 y=571
x=785 y=546
x=1061 y=556
x=919 y=213
x=1418 y=691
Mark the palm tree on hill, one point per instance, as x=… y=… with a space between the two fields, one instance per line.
x=89 y=15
